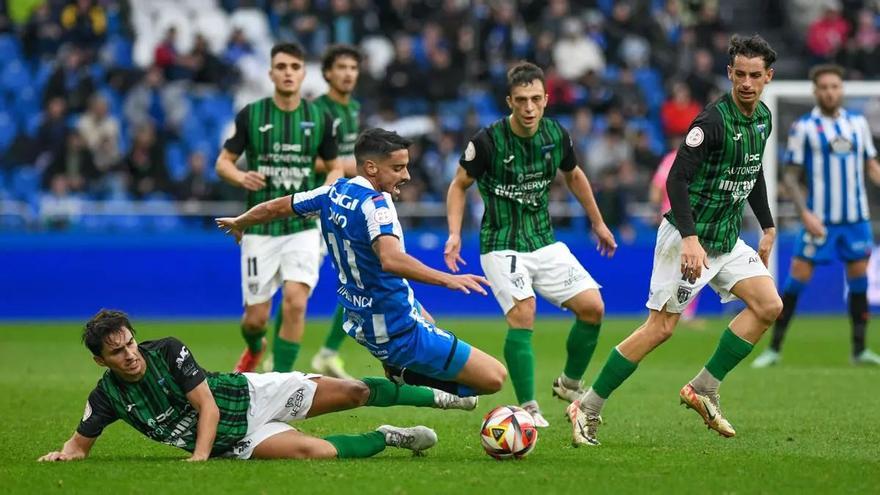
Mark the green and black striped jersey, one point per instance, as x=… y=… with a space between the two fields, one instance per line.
x=157 y=406
x=346 y=119
x=283 y=147
x=724 y=149
x=513 y=175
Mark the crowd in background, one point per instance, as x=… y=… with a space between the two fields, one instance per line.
x=110 y=100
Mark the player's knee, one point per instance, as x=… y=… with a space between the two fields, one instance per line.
x=358 y=393
x=592 y=312
x=255 y=321
x=294 y=305
x=769 y=309
x=660 y=331
x=495 y=378
x=522 y=315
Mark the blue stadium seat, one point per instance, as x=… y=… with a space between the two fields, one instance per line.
x=651 y=83
x=8 y=130
x=176 y=160
x=25 y=184
x=14 y=77
x=10 y=49
x=215 y=109
x=27 y=103
x=42 y=73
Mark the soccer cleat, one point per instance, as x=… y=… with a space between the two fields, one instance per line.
x=331 y=365
x=583 y=426
x=766 y=359
x=567 y=394
x=709 y=408
x=533 y=409
x=248 y=361
x=868 y=357
x=416 y=438
x=445 y=400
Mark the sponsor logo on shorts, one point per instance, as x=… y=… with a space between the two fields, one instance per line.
x=684 y=293
x=295 y=402
x=753 y=259
x=574 y=276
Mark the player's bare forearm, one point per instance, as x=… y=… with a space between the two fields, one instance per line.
x=334 y=170
x=78 y=447
x=791 y=179
x=403 y=265
x=874 y=171
x=265 y=212
x=456 y=198
x=209 y=417
x=579 y=185
x=226 y=168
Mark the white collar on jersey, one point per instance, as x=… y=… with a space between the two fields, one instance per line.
x=361 y=181
x=817 y=112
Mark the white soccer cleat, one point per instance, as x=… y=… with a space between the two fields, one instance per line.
x=868 y=357
x=533 y=409
x=445 y=400
x=416 y=438
x=330 y=365
x=709 y=408
x=567 y=394
x=766 y=359
x=583 y=426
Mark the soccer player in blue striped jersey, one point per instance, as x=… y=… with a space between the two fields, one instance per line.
x=360 y=226
x=833 y=148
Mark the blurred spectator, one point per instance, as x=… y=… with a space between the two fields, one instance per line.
x=52 y=132
x=679 y=110
x=575 y=54
x=643 y=154
x=403 y=77
x=165 y=55
x=58 y=207
x=71 y=80
x=206 y=67
x=827 y=34
x=612 y=198
x=85 y=24
x=345 y=23
x=861 y=54
x=101 y=132
x=157 y=103
x=708 y=25
x=561 y=93
x=238 y=46
x=608 y=152
x=628 y=95
x=701 y=80
x=441 y=163
x=145 y=164
x=600 y=96
x=195 y=186
x=76 y=164
x=443 y=79
x=42 y=34
x=581 y=133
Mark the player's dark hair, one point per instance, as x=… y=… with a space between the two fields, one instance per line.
x=336 y=51
x=753 y=46
x=820 y=70
x=378 y=143
x=290 y=48
x=106 y=322
x=522 y=74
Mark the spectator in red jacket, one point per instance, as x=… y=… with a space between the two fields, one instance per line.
x=679 y=110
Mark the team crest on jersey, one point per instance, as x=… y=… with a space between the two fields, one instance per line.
x=760 y=128
x=548 y=147
x=307 y=127
x=694 y=137
x=841 y=146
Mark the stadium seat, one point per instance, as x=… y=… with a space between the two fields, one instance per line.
x=214 y=25
x=27 y=103
x=176 y=161
x=10 y=49
x=8 y=131
x=25 y=184
x=15 y=76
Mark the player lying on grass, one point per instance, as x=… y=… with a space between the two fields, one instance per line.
x=158 y=388
x=359 y=224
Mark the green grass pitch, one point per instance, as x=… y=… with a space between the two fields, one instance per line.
x=808 y=426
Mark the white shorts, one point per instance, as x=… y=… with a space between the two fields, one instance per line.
x=725 y=270
x=552 y=270
x=267 y=261
x=276 y=398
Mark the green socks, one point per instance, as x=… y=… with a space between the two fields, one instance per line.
x=284 y=354
x=358 y=446
x=580 y=346
x=254 y=340
x=616 y=370
x=730 y=351
x=520 y=363
x=336 y=336
x=384 y=393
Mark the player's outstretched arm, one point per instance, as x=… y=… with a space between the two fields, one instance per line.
x=226 y=170
x=577 y=182
x=791 y=178
x=262 y=213
x=203 y=402
x=397 y=262
x=78 y=447
x=455 y=202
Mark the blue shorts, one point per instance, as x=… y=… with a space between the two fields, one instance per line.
x=425 y=349
x=847 y=242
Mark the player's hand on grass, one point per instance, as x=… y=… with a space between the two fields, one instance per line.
x=229 y=226
x=252 y=181
x=196 y=458
x=813 y=225
x=467 y=282
x=58 y=456
x=693 y=259
x=765 y=245
x=605 y=243
x=452 y=253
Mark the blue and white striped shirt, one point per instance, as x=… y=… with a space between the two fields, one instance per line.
x=833 y=153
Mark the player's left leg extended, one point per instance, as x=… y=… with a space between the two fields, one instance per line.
x=763 y=306
x=292 y=444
